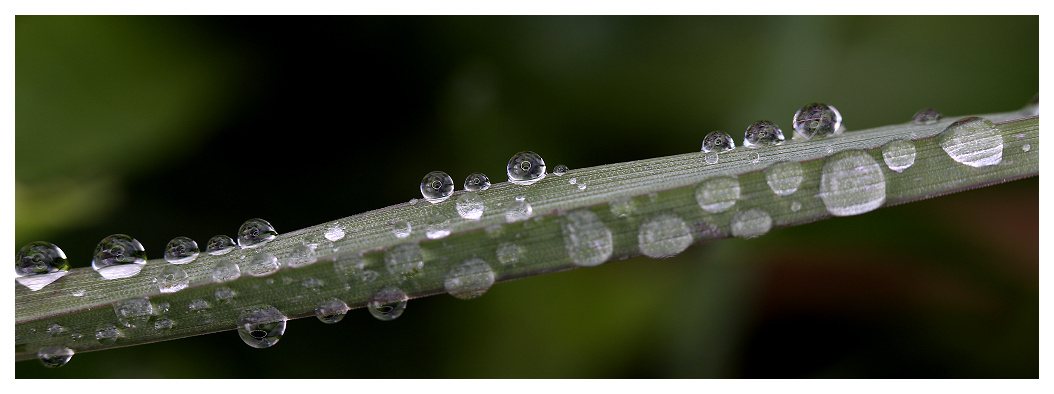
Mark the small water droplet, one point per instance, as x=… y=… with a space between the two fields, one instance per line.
x=664 y=235
x=404 y=260
x=470 y=206
x=469 y=280
x=438 y=228
x=401 y=229
x=39 y=263
x=795 y=206
x=518 y=210
x=587 y=240
x=784 y=177
x=899 y=155
x=509 y=253
x=828 y=149
x=225 y=271
x=477 y=182
x=1032 y=107
x=762 y=133
x=334 y=233
x=852 y=183
x=711 y=158
x=224 y=294
x=54 y=356
x=623 y=207
x=526 y=168
x=388 y=303
x=817 y=120
x=751 y=223
x=300 y=255
x=163 y=323
x=198 y=305
x=716 y=195
x=331 y=311
x=261 y=326
x=118 y=256
x=106 y=334
x=181 y=250
x=262 y=264
x=755 y=158
x=559 y=170
x=133 y=312
x=255 y=232
x=55 y=329
x=162 y=308
x=926 y=116
x=220 y=245
x=1026 y=147
x=77 y=293
x=581 y=186
x=172 y=279
x=717 y=141
x=436 y=187
x=973 y=141
x=312 y=283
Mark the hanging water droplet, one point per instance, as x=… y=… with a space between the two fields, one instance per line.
x=852 y=183
x=255 y=232
x=437 y=186
x=387 y=304
x=622 y=207
x=784 y=177
x=1032 y=107
x=404 y=260
x=817 y=120
x=587 y=240
x=973 y=141
x=717 y=141
x=172 y=279
x=39 y=263
x=469 y=280
x=163 y=323
x=762 y=133
x=509 y=253
x=220 y=245
x=751 y=223
x=526 y=168
x=261 y=326
x=181 y=250
x=334 y=233
x=331 y=311
x=224 y=294
x=225 y=271
x=899 y=154
x=716 y=195
x=926 y=116
x=401 y=229
x=1026 y=147
x=133 y=312
x=559 y=170
x=664 y=235
x=118 y=256
x=518 y=210
x=795 y=206
x=301 y=255
x=477 y=182
x=106 y=334
x=438 y=228
x=54 y=356
x=470 y=206
x=711 y=158
x=262 y=264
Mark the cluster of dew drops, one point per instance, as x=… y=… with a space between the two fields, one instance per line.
x=852 y=183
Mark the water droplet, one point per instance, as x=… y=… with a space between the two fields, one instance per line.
x=172 y=279
x=1032 y=107
x=405 y=260
x=559 y=170
x=852 y=183
x=77 y=293
x=262 y=264
x=301 y=255
x=438 y=228
x=437 y=186
x=54 y=356
x=312 y=283
x=55 y=329
x=587 y=239
x=255 y=232
x=755 y=158
x=664 y=235
x=751 y=223
x=163 y=323
x=717 y=141
x=817 y=120
x=572 y=181
x=509 y=253
x=401 y=229
x=477 y=182
x=470 y=206
x=133 y=312
x=39 y=263
x=899 y=155
x=762 y=133
x=795 y=206
x=622 y=207
x=220 y=245
x=118 y=256
x=1026 y=147
x=926 y=116
x=331 y=311
x=225 y=271
x=162 y=308
x=973 y=141
x=261 y=327
x=518 y=210
x=526 y=168
x=784 y=177
x=224 y=294
x=469 y=280
x=198 y=305
x=581 y=186
x=181 y=250
x=711 y=158
x=717 y=194
x=106 y=334
x=334 y=233
x=388 y=303
x=348 y=266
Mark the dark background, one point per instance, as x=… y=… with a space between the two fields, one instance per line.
x=166 y=126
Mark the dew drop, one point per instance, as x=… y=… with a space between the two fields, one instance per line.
x=162 y=308
x=587 y=240
x=262 y=264
x=926 y=116
x=404 y=260
x=784 y=177
x=387 y=304
x=198 y=305
x=331 y=311
x=437 y=186
x=77 y=293
x=477 y=182
x=817 y=120
x=39 y=263
x=716 y=195
x=224 y=294
x=899 y=155
x=348 y=266
x=762 y=133
x=401 y=229
x=711 y=158
x=334 y=233
x=261 y=327
x=54 y=356
x=751 y=223
x=106 y=334
x=469 y=280
x=663 y=236
x=1026 y=147
x=299 y=256
x=526 y=168
x=572 y=181
x=795 y=206
x=181 y=250
x=55 y=329
x=225 y=271
x=717 y=141
x=581 y=186
x=1032 y=107
x=973 y=141
x=118 y=256
x=518 y=210
x=172 y=279
x=622 y=207
x=133 y=312
x=255 y=232
x=509 y=253
x=438 y=228
x=470 y=206
x=220 y=245
x=755 y=158
x=852 y=183
x=163 y=323
x=559 y=170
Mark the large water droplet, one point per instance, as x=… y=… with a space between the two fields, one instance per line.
x=926 y=116
x=469 y=280
x=587 y=239
x=133 y=312
x=509 y=253
x=784 y=177
x=762 y=133
x=262 y=264
x=255 y=232
x=261 y=326
x=899 y=155
x=220 y=245
x=477 y=182
x=54 y=356
x=518 y=210
x=437 y=186
x=39 y=263
x=559 y=170
x=852 y=183
x=172 y=279
x=438 y=228
x=664 y=235
x=334 y=233
x=751 y=223
x=405 y=260
x=526 y=168
x=387 y=304
x=106 y=334
x=300 y=255
x=817 y=120
x=331 y=311
x=470 y=206
x=717 y=141
x=717 y=194
x=225 y=271
x=401 y=229
x=973 y=141
x=181 y=250
x=118 y=256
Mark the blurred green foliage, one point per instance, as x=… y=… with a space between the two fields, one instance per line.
x=166 y=126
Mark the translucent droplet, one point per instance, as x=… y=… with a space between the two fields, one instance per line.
x=133 y=312
x=663 y=236
x=477 y=182
x=437 y=186
x=438 y=228
x=622 y=207
x=77 y=293
x=162 y=308
x=587 y=240
x=1032 y=107
x=509 y=253
x=518 y=210
x=581 y=186
x=717 y=194
x=163 y=323
x=54 y=356
x=572 y=181
x=224 y=293
x=198 y=305
x=181 y=250
x=106 y=334
x=225 y=271
x=401 y=229
x=220 y=245
x=118 y=256
x=262 y=264
x=711 y=158
x=762 y=133
x=817 y=120
x=559 y=170
x=795 y=206
x=300 y=255
x=469 y=280
x=39 y=263
x=784 y=177
x=331 y=311
x=470 y=206
x=717 y=141
x=172 y=279
x=334 y=233
x=55 y=329
x=388 y=303
x=261 y=327
x=926 y=116
x=751 y=223
x=852 y=183
x=899 y=155
x=755 y=158
x=973 y=141
x=1026 y=147
x=404 y=260
x=255 y=232
x=526 y=168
